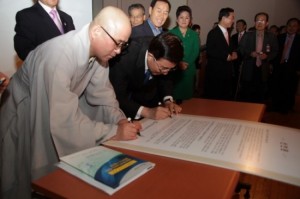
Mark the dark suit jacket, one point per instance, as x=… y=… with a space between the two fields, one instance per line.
x=127 y=77
x=238 y=61
x=294 y=58
x=235 y=40
x=248 y=45
x=285 y=78
x=142 y=30
x=218 y=72
x=34 y=26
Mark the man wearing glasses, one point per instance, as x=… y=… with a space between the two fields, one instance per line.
x=158 y=14
x=258 y=49
x=140 y=76
x=61 y=101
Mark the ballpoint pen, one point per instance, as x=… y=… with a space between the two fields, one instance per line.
x=159 y=104
x=130 y=121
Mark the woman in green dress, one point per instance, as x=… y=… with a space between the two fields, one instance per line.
x=184 y=80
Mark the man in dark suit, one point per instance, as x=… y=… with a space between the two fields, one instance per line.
x=136 y=13
x=258 y=49
x=158 y=14
x=241 y=27
x=140 y=79
x=218 y=72
x=34 y=26
x=286 y=65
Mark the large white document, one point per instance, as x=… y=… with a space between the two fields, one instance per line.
x=261 y=149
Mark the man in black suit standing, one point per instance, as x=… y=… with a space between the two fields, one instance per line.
x=158 y=13
x=34 y=25
x=140 y=79
x=218 y=72
x=286 y=65
x=241 y=27
x=258 y=48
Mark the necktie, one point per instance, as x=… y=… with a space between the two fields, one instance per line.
x=240 y=36
x=259 y=44
x=56 y=20
x=226 y=37
x=147 y=76
x=286 y=49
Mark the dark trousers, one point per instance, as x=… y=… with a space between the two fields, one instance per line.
x=284 y=88
x=255 y=90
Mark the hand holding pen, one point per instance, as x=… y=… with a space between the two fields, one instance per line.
x=127 y=130
x=173 y=107
x=130 y=121
x=168 y=110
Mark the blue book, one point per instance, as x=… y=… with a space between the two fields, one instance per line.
x=104 y=168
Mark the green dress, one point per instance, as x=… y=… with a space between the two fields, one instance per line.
x=184 y=80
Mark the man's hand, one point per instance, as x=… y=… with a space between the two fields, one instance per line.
x=173 y=108
x=4 y=82
x=157 y=113
x=183 y=65
x=127 y=130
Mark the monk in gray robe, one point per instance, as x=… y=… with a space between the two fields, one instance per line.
x=61 y=101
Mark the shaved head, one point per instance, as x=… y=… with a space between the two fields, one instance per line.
x=110 y=28
x=112 y=19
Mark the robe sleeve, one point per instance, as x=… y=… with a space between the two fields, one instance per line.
x=80 y=122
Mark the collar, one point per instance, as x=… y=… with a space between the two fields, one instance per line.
x=224 y=30
x=155 y=30
x=46 y=8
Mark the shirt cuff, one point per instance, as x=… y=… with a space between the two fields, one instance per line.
x=168 y=98
x=139 y=113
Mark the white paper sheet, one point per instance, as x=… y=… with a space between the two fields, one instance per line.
x=262 y=149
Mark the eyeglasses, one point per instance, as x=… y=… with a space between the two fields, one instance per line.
x=163 y=68
x=260 y=21
x=122 y=45
x=136 y=17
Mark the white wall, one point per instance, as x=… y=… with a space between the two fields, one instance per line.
x=205 y=12
x=80 y=10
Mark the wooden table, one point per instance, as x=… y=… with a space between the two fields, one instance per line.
x=225 y=109
x=171 y=178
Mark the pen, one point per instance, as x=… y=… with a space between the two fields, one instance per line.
x=130 y=121
x=159 y=104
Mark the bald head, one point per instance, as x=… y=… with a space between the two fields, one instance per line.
x=109 y=30
x=113 y=19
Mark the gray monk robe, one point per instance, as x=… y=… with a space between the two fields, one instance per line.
x=57 y=103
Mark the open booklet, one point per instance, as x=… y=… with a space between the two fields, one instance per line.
x=104 y=168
